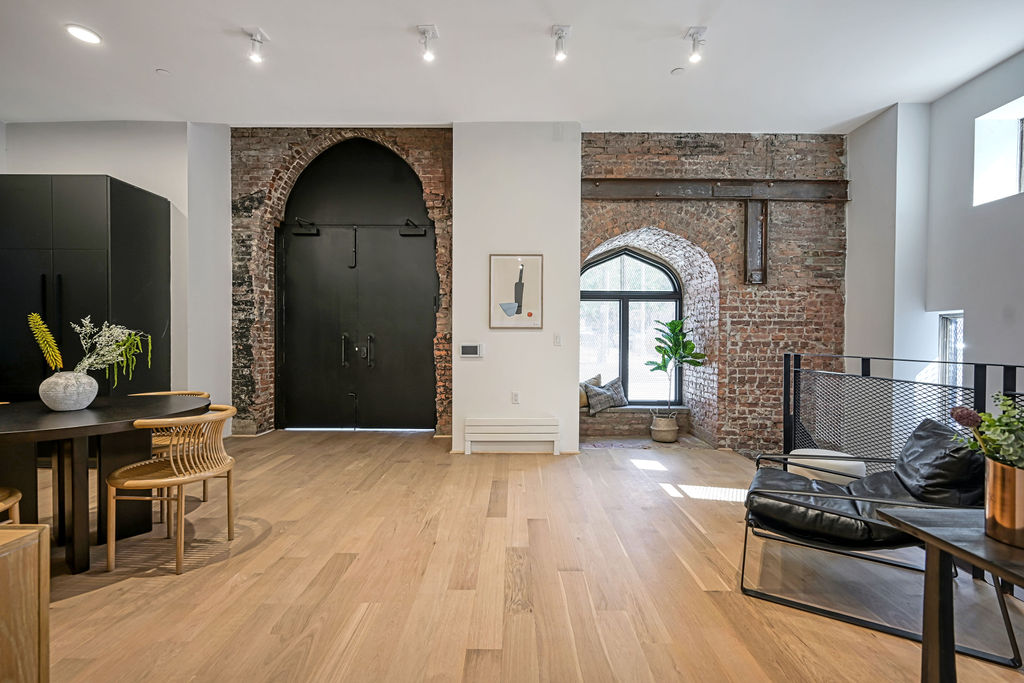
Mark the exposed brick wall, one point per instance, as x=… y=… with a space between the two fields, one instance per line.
x=625 y=422
x=265 y=163
x=801 y=305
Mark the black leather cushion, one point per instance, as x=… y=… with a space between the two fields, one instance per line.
x=937 y=469
x=797 y=519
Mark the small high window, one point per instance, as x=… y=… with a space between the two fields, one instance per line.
x=951 y=347
x=622 y=295
x=999 y=153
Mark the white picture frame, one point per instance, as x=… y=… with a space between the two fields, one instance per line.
x=516 y=291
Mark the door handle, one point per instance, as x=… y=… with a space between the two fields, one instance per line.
x=344 y=345
x=369 y=351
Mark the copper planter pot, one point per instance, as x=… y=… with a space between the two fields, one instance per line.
x=1004 y=503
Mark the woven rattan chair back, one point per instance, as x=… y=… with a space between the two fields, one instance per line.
x=195 y=445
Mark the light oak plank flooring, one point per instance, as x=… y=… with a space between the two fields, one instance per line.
x=382 y=557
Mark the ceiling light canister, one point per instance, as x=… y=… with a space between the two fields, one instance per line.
x=560 y=32
x=256 y=46
x=696 y=35
x=428 y=34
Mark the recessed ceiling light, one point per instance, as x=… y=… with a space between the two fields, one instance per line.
x=84 y=34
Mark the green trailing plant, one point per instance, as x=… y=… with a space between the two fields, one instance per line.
x=47 y=344
x=111 y=348
x=675 y=349
x=1000 y=437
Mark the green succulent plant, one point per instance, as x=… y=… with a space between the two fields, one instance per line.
x=1000 y=437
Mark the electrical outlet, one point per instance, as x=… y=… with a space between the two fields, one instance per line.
x=558 y=339
x=515 y=398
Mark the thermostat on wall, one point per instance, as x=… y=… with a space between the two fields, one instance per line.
x=471 y=350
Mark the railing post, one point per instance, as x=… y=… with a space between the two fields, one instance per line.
x=865 y=367
x=980 y=383
x=787 y=413
x=1009 y=379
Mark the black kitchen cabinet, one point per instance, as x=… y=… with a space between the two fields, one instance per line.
x=72 y=246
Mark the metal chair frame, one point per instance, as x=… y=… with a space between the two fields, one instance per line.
x=769 y=534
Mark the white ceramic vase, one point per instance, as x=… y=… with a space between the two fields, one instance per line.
x=68 y=391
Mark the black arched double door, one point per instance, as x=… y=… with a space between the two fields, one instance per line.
x=357 y=295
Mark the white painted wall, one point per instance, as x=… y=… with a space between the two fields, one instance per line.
x=3 y=147
x=209 y=259
x=870 y=236
x=915 y=328
x=887 y=243
x=975 y=253
x=516 y=190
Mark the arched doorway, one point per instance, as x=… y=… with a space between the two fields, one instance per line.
x=357 y=293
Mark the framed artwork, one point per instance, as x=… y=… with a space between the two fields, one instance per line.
x=517 y=291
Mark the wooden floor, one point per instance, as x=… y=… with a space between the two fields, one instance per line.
x=381 y=557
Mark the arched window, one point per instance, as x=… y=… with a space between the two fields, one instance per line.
x=621 y=297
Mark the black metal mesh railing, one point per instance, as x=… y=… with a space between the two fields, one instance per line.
x=868 y=416
x=872 y=412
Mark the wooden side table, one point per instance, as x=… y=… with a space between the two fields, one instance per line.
x=25 y=597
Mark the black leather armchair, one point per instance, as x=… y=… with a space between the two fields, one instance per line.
x=932 y=470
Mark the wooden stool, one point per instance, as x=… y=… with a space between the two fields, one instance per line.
x=10 y=500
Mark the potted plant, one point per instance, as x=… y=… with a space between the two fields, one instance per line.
x=675 y=349
x=111 y=348
x=1001 y=439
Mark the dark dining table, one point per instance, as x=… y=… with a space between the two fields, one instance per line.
x=29 y=430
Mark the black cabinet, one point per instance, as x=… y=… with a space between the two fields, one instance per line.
x=72 y=246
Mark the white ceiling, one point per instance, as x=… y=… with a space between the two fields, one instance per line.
x=770 y=65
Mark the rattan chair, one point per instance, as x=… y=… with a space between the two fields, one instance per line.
x=195 y=452
x=160 y=440
x=10 y=500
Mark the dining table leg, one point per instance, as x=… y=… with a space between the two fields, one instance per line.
x=133 y=517
x=938 y=640
x=75 y=474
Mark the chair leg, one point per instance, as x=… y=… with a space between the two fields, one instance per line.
x=167 y=510
x=231 y=507
x=15 y=513
x=111 y=525
x=180 y=530
x=206 y=490
x=160 y=507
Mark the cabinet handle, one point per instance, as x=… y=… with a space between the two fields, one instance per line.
x=369 y=351
x=60 y=308
x=344 y=344
x=43 y=292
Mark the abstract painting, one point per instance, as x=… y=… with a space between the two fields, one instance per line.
x=517 y=288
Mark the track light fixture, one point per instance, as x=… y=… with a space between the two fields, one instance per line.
x=696 y=35
x=428 y=34
x=560 y=32
x=256 y=39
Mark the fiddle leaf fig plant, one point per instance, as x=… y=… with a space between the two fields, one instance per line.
x=1000 y=437
x=675 y=349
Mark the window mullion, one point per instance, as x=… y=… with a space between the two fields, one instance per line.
x=624 y=346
